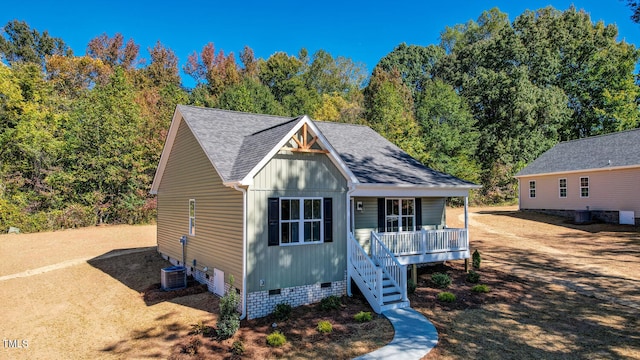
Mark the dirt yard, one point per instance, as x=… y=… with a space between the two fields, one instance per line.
x=558 y=291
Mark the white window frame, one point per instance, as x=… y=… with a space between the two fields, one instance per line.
x=398 y=217
x=584 y=187
x=532 y=189
x=192 y=217
x=301 y=221
x=560 y=188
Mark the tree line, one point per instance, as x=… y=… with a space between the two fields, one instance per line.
x=81 y=135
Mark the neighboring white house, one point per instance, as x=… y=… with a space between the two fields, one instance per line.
x=600 y=174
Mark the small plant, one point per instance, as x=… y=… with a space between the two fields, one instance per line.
x=237 y=348
x=363 y=316
x=481 y=288
x=332 y=302
x=324 y=327
x=476 y=259
x=276 y=339
x=191 y=348
x=282 y=311
x=473 y=277
x=229 y=321
x=441 y=280
x=201 y=329
x=411 y=286
x=446 y=297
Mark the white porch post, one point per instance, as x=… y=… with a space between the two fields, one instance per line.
x=466 y=228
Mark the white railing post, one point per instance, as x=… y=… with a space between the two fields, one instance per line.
x=403 y=286
x=423 y=242
x=379 y=285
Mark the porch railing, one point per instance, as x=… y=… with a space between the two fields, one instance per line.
x=390 y=265
x=424 y=241
x=365 y=273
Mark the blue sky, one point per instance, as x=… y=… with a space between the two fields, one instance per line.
x=364 y=31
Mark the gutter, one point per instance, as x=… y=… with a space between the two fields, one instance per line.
x=244 y=249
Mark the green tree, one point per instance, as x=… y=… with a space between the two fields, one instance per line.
x=250 y=96
x=20 y=43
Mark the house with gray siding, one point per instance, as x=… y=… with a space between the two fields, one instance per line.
x=293 y=209
x=598 y=176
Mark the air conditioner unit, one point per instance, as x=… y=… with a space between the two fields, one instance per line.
x=173 y=278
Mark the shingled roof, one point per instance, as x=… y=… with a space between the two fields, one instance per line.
x=237 y=142
x=621 y=149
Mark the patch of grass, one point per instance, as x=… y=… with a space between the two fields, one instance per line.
x=441 y=280
x=324 y=327
x=332 y=302
x=481 y=288
x=276 y=339
x=282 y=311
x=363 y=316
x=473 y=277
x=446 y=296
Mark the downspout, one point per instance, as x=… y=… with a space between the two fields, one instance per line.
x=244 y=250
x=351 y=188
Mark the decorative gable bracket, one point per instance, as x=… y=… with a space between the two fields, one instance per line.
x=304 y=142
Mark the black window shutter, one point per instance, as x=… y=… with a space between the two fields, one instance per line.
x=328 y=220
x=273 y=221
x=418 y=213
x=381 y=215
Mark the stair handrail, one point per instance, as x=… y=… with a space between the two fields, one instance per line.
x=377 y=282
x=390 y=264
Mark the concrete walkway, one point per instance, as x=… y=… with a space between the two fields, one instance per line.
x=414 y=337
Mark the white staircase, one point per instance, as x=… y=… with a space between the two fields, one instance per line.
x=381 y=279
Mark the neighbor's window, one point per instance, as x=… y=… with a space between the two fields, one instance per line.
x=562 y=183
x=532 y=188
x=400 y=215
x=192 y=217
x=300 y=220
x=584 y=187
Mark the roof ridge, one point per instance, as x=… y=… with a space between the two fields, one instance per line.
x=234 y=111
x=277 y=125
x=600 y=135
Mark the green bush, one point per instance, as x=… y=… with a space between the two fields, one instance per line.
x=363 y=316
x=446 y=297
x=332 y=302
x=411 y=286
x=237 y=348
x=473 y=277
x=324 y=327
x=276 y=339
x=282 y=311
x=476 y=259
x=229 y=321
x=200 y=328
x=481 y=288
x=441 y=280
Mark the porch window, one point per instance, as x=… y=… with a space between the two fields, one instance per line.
x=584 y=187
x=400 y=215
x=192 y=217
x=300 y=220
x=562 y=183
x=532 y=188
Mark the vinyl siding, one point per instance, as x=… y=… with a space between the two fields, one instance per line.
x=608 y=190
x=433 y=217
x=295 y=175
x=218 y=237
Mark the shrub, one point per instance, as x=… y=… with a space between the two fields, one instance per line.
x=191 y=348
x=446 y=297
x=332 y=302
x=229 y=321
x=473 y=277
x=200 y=328
x=411 y=286
x=441 y=280
x=276 y=339
x=324 y=327
x=237 y=348
x=363 y=316
x=282 y=311
x=476 y=259
x=481 y=288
